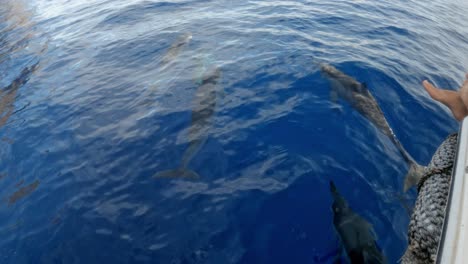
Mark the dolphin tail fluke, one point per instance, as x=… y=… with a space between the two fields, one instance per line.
x=177 y=173
x=413 y=176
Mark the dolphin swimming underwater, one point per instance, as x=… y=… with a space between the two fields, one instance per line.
x=360 y=98
x=356 y=233
x=8 y=94
x=174 y=50
x=202 y=113
x=165 y=62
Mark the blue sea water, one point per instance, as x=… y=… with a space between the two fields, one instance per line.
x=89 y=114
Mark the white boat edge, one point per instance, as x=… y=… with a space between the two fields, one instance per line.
x=453 y=245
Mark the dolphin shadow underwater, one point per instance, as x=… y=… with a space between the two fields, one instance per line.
x=359 y=97
x=356 y=233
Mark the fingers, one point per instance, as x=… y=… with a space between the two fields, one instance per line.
x=433 y=91
x=449 y=98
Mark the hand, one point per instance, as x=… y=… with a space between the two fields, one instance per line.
x=457 y=102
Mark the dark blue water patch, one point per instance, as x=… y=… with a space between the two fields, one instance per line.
x=397 y=30
x=273 y=238
x=334 y=20
x=389 y=32
x=191 y=250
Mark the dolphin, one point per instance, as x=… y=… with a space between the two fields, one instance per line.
x=23 y=192
x=8 y=94
x=360 y=98
x=170 y=55
x=356 y=233
x=174 y=50
x=202 y=113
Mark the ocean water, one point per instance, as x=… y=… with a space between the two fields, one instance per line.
x=99 y=97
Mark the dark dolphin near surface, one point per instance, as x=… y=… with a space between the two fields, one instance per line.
x=360 y=98
x=174 y=50
x=202 y=113
x=356 y=233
